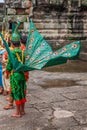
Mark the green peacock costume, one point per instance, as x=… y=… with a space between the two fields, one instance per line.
x=17 y=79
x=38 y=54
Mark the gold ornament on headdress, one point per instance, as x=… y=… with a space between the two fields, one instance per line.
x=6 y=34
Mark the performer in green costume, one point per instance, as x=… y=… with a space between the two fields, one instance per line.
x=17 y=79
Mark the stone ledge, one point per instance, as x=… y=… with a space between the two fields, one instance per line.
x=62 y=20
x=15 y=18
x=83 y=56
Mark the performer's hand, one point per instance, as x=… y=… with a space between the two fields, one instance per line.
x=7 y=74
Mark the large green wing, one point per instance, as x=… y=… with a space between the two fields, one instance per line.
x=39 y=53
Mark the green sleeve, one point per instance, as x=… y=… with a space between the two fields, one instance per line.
x=9 y=65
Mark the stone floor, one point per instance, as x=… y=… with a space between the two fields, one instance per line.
x=51 y=105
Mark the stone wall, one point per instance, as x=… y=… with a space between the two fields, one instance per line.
x=2 y=13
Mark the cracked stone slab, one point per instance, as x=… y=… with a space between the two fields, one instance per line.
x=72 y=105
x=47 y=96
x=81 y=117
x=73 y=128
x=59 y=113
x=64 y=122
x=76 y=95
x=84 y=82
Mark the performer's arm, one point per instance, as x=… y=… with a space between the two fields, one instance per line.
x=8 y=69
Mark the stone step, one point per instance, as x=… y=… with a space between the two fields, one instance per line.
x=48 y=31
x=54 y=14
x=1 y=5
x=1 y=18
x=62 y=37
x=83 y=56
x=47 y=25
x=50 y=36
x=47 y=20
x=1 y=12
x=57 y=30
x=43 y=15
x=58 y=20
x=62 y=14
x=55 y=24
x=0 y=26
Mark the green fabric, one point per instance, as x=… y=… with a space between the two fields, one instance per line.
x=15 y=37
x=13 y=27
x=13 y=65
x=18 y=86
x=17 y=79
x=39 y=54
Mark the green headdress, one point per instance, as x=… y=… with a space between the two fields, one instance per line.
x=15 y=35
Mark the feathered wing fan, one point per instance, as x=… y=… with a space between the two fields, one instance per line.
x=39 y=54
x=68 y=52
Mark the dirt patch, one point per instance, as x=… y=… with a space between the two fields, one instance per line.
x=58 y=83
x=70 y=66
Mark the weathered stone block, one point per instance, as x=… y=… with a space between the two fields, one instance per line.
x=17 y=4
x=1 y=18
x=15 y=18
x=46 y=25
x=2 y=11
x=22 y=18
x=20 y=11
x=0 y=27
x=1 y=5
x=11 y=11
x=23 y=4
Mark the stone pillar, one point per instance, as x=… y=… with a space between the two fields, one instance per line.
x=1 y=14
x=29 y=8
x=69 y=5
x=80 y=3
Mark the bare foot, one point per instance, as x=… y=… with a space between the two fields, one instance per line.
x=8 y=99
x=1 y=90
x=23 y=113
x=5 y=93
x=8 y=107
x=16 y=115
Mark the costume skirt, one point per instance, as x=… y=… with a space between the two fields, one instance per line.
x=18 y=88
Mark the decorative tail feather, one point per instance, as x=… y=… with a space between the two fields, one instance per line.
x=68 y=52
